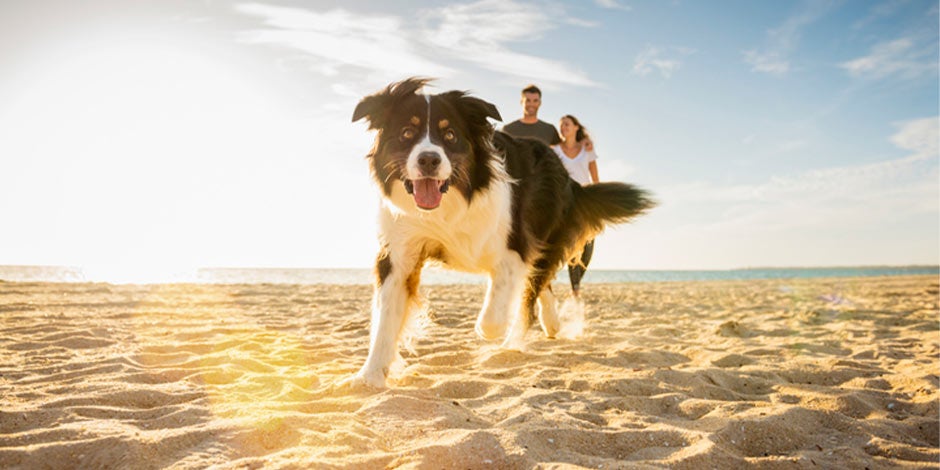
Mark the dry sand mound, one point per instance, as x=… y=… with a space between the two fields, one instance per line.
x=835 y=373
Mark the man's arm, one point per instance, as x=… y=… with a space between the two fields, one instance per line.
x=556 y=137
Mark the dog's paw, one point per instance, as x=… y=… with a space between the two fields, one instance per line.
x=490 y=331
x=360 y=383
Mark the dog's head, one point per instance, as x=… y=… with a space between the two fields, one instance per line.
x=429 y=143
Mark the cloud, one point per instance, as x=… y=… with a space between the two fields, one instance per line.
x=901 y=57
x=581 y=22
x=880 y=11
x=769 y=62
x=666 y=61
x=788 y=34
x=852 y=196
x=478 y=33
x=487 y=22
x=339 y=38
x=612 y=5
x=781 y=41
x=920 y=136
x=882 y=212
x=390 y=47
x=788 y=146
x=615 y=169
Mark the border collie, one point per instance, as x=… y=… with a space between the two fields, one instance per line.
x=457 y=192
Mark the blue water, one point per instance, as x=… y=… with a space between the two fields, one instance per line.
x=439 y=276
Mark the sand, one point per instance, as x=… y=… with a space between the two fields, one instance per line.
x=832 y=373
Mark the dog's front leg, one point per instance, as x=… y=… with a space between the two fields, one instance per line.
x=394 y=296
x=503 y=297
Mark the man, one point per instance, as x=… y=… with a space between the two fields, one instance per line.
x=530 y=125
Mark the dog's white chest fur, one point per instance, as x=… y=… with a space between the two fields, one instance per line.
x=472 y=237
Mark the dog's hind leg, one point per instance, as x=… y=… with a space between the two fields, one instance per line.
x=548 y=313
x=503 y=297
x=539 y=288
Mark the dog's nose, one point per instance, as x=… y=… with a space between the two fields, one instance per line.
x=428 y=163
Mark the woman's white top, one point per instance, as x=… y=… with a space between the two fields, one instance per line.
x=578 y=167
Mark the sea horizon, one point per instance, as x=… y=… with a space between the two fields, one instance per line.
x=433 y=275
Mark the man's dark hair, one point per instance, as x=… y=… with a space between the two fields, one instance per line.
x=532 y=89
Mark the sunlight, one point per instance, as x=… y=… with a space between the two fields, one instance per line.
x=253 y=376
x=129 y=273
x=122 y=150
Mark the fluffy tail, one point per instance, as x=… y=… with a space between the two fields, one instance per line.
x=600 y=204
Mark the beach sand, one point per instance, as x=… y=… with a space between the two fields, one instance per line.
x=829 y=373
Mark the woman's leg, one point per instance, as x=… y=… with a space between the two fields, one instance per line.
x=576 y=271
x=586 y=255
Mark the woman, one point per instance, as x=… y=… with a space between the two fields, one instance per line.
x=577 y=154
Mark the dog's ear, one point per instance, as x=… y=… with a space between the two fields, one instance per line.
x=376 y=106
x=480 y=108
x=489 y=109
x=475 y=109
x=370 y=106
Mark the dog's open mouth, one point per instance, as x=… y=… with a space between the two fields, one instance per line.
x=427 y=192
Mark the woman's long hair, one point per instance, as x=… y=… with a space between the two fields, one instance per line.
x=581 y=134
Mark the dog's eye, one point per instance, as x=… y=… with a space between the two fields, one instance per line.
x=450 y=136
x=407 y=133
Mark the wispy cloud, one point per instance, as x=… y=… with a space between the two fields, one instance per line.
x=903 y=58
x=612 y=5
x=849 y=195
x=788 y=34
x=390 y=47
x=774 y=56
x=665 y=60
x=581 y=22
x=880 y=11
x=767 y=62
x=480 y=33
x=921 y=136
x=339 y=38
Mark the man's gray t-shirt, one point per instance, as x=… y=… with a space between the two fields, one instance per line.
x=541 y=130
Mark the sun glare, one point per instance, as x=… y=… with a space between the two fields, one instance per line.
x=120 y=146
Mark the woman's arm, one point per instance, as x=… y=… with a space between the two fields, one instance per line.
x=593 y=168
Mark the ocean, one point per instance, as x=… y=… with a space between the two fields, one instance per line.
x=437 y=276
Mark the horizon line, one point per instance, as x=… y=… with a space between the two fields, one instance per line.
x=347 y=268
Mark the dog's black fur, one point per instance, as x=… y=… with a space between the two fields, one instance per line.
x=552 y=214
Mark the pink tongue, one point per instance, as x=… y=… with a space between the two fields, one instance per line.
x=427 y=193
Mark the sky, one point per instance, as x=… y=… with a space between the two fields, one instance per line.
x=160 y=136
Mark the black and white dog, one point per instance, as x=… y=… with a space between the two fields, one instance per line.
x=457 y=192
